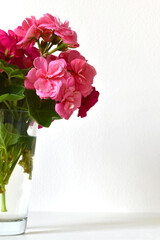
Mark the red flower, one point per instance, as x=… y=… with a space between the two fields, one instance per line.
x=88 y=102
x=9 y=51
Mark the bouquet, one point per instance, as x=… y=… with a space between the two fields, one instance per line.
x=43 y=75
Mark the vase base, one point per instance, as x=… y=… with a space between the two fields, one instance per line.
x=12 y=227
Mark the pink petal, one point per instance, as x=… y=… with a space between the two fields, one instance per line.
x=56 y=68
x=41 y=63
x=30 y=79
x=32 y=75
x=42 y=85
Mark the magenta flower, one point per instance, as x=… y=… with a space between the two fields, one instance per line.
x=8 y=45
x=88 y=102
x=29 y=55
x=12 y=54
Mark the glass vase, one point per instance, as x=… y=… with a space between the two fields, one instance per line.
x=17 y=145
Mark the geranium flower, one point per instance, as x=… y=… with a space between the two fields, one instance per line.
x=60 y=29
x=12 y=54
x=49 y=78
x=70 y=102
x=28 y=32
x=70 y=55
x=66 y=79
x=83 y=72
x=88 y=102
x=32 y=29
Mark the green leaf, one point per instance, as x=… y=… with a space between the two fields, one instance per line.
x=3 y=80
x=13 y=92
x=3 y=63
x=27 y=163
x=29 y=141
x=27 y=155
x=42 y=111
x=13 y=71
x=8 y=135
x=6 y=64
x=25 y=71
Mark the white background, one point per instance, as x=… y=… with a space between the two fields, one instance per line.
x=109 y=161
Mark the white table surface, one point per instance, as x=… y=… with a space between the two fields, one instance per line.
x=91 y=226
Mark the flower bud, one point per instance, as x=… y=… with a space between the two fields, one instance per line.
x=55 y=39
x=43 y=44
x=62 y=46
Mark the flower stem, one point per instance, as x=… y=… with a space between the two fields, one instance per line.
x=8 y=106
x=3 y=209
x=6 y=160
x=12 y=167
x=62 y=45
x=39 y=46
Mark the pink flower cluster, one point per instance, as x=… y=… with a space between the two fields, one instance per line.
x=32 y=29
x=65 y=79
